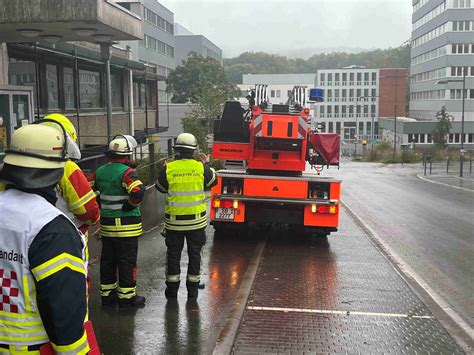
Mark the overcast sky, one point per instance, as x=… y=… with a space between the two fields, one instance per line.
x=291 y=27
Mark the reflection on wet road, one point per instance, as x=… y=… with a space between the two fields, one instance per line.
x=176 y=327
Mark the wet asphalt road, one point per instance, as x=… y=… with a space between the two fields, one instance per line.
x=171 y=327
x=430 y=226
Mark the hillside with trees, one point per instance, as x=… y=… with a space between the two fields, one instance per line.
x=264 y=63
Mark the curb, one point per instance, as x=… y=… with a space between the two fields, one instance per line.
x=228 y=333
x=456 y=326
x=443 y=184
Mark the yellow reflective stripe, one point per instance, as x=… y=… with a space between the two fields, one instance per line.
x=23 y=324
x=133 y=185
x=213 y=178
x=82 y=201
x=123 y=227
x=121 y=234
x=23 y=331
x=127 y=292
x=24 y=339
x=186 y=222
x=172 y=278
x=27 y=293
x=58 y=263
x=108 y=286
x=79 y=347
x=194 y=278
x=18 y=316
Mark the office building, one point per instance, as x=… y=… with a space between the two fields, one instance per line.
x=187 y=42
x=442 y=47
x=356 y=97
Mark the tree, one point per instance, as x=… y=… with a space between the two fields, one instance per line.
x=189 y=81
x=442 y=128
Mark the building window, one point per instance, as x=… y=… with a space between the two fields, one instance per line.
x=117 y=90
x=338 y=127
x=158 y=21
x=336 y=78
x=429 y=139
x=422 y=138
x=359 y=78
x=52 y=83
x=89 y=88
x=68 y=83
x=272 y=93
x=351 y=78
x=331 y=127
x=374 y=78
x=22 y=72
x=278 y=93
x=344 y=78
x=322 y=78
x=288 y=94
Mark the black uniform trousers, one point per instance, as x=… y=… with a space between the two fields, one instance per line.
x=195 y=240
x=119 y=254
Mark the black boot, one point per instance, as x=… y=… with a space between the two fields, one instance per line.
x=109 y=300
x=171 y=289
x=192 y=289
x=135 y=301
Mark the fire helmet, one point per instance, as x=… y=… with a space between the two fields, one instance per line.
x=61 y=122
x=122 y=144
x=64 y=121
x=37 y=146
x=186 y=141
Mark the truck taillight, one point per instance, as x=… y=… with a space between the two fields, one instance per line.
x=236 y=204
x=324 y=209
x=216 y=203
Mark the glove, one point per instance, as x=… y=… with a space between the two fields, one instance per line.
x=127 y=207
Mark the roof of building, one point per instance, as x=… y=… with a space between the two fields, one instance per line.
x=278 y=79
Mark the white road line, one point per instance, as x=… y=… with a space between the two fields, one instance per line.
x=329 y=311
x=440 y=183
x=463 y=178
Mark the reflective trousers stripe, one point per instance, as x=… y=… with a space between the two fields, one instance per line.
x=80 y=346
x=187 y=227
x=126 y=292
x=193 y=278
x=172 y=278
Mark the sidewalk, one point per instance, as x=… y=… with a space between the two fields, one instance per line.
x=440 y=176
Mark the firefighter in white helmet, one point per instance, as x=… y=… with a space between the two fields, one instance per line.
x=121 y=193
x=184 y=181
x=42 y=267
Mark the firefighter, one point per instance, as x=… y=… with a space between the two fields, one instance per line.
x=184 y=181
x=121 y=193
x=42 y=268
x=77 y=199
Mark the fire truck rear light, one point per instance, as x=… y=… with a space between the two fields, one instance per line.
x=226 y=204
x=217 y=203
x=333 y=209
x=236 y=204
x=313 y=208
x=322 y=209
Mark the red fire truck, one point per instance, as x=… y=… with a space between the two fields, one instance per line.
x=267 y=150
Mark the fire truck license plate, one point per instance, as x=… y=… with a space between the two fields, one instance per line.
x=224 y=213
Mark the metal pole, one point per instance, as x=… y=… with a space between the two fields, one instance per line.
x=447 y=165
x=105 y=49
x=77 y=98
x=37 y=83
x=462 y=121
x=430 y=165
x=395 y=119
x=146 y=106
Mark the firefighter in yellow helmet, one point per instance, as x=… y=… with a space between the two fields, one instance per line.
x=121 y=193
x=184 y=181
x=42 y=267
x=77 y=200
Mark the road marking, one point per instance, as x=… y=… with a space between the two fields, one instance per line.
x=463 y=178
x=410 y=276
x=440 y=183
x=329 y=311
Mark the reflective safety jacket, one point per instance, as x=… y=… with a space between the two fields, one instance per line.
x=42 y=273
x=121 y=193
x=184 y=181
x=77 y=199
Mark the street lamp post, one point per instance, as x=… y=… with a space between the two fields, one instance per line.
x=463 y=80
